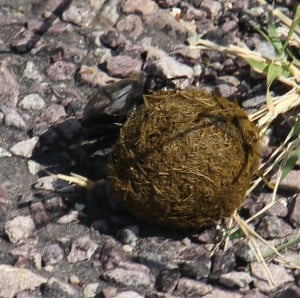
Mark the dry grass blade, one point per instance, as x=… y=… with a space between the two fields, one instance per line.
x=278 y=14
x=251 y=242
x=245 y=54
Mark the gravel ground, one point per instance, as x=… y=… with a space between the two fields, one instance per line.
x=58 y=241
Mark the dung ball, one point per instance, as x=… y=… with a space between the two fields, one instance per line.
x=184 y=159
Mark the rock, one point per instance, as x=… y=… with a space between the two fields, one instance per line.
x=54 y=204
x=243 y=251
x=290 y=292
x=47 y=183
x=223 y=293
x=222 y=262
x=53 y=113
x=254 y=293
x=3 y=202
x=32 y=102
x=279 y=208
x=265 y=49
x=24 y=40
x=165 y=22
x=110 y=12
x=191 y=288
x=19 y=228
x=123 y=66
x=33 y=167
x=4 y=153
x=235 y=279
x=14 y=280
x=61 y=70
x=68 y=218
x=82 y=249
x=78 y=15
x=109 y=292
x=294 y=212
x=39 y=214
x=8 y=85
x=25 y=148
x=168 y=280
x=143 y=7
x=291 y=181
x=58 y=288
x=273 y=227
x=128 y=294
x=93 y=76
x=279 y=273
x=12 y=118
x=74 y=279
x=206 y=236
x=90 y=290
x=133 y=278
x=112 y=255
x=213 y=8
x=113 y=39
x=52 y=254
x=229 y=25
x=131 y=26
x=31 y=72
x=197 y=267
x=159 y=62
x=128 y=235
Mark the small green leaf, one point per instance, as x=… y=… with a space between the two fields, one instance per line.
x=258 y=66
x=289 y=165
x=274 y=36
x=236 y=235
x=295 y=130
x=295 y=23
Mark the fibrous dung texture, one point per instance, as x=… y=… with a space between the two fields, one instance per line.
x=184 y=159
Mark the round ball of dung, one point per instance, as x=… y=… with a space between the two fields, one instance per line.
x=184 y=159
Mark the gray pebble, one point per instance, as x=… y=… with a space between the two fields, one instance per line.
x=24 y=148
x=39 y=214
x=12 y=118
x=128 y=235
x=14 y=280
x=47 y=183
x=32 y=102
x=191 y=288
x=294 y=212
x=78 y=15
x=19 y=228
x=68 y=218
x=128 y=294
x=82 y=249
x=90 y=290
x=235 y=279
x=33 y=167
x=143 y=7
x=123 y=66
x=8 y=85
x=32 y=72
x=4 y=153
x=52 y=254
x=53 y=113
x=129 y=278
x=61 y=70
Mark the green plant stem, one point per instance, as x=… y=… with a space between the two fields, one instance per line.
x=282 y=247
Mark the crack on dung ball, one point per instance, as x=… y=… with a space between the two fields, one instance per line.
x=184 y=159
